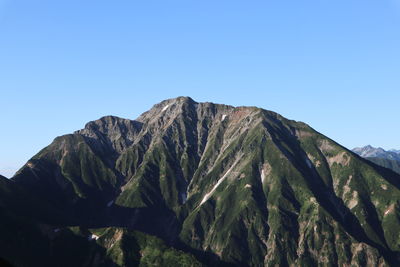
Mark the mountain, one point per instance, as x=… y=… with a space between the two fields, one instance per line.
x=388 y=159
x=372 y=152
x=201 y=184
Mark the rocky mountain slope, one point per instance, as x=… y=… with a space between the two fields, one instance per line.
x=388 y=159
x=190 y=184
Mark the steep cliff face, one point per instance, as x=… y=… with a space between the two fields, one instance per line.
x=233 y=185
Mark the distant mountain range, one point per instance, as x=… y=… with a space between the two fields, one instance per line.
x=199 y=184
x=388 y=159
x=373 y=152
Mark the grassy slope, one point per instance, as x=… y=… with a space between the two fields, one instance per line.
x=387 y=163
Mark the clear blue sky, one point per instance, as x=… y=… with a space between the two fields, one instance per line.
x=334 y=64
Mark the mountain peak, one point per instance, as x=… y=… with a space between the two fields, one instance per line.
x=175 y=101
x=166 y=106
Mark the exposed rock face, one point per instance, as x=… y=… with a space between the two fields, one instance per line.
x=231 y=185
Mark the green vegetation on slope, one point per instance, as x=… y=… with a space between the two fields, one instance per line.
x=387 y=163
x=238 y=186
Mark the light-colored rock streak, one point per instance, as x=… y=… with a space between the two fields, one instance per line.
x=93 y=237
x=223 y=117
x=262 y=176
x=265 y=171
x=165 y=108
x=309 y=163
x=208 y=195
x=183 y=197
x=389 y=210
